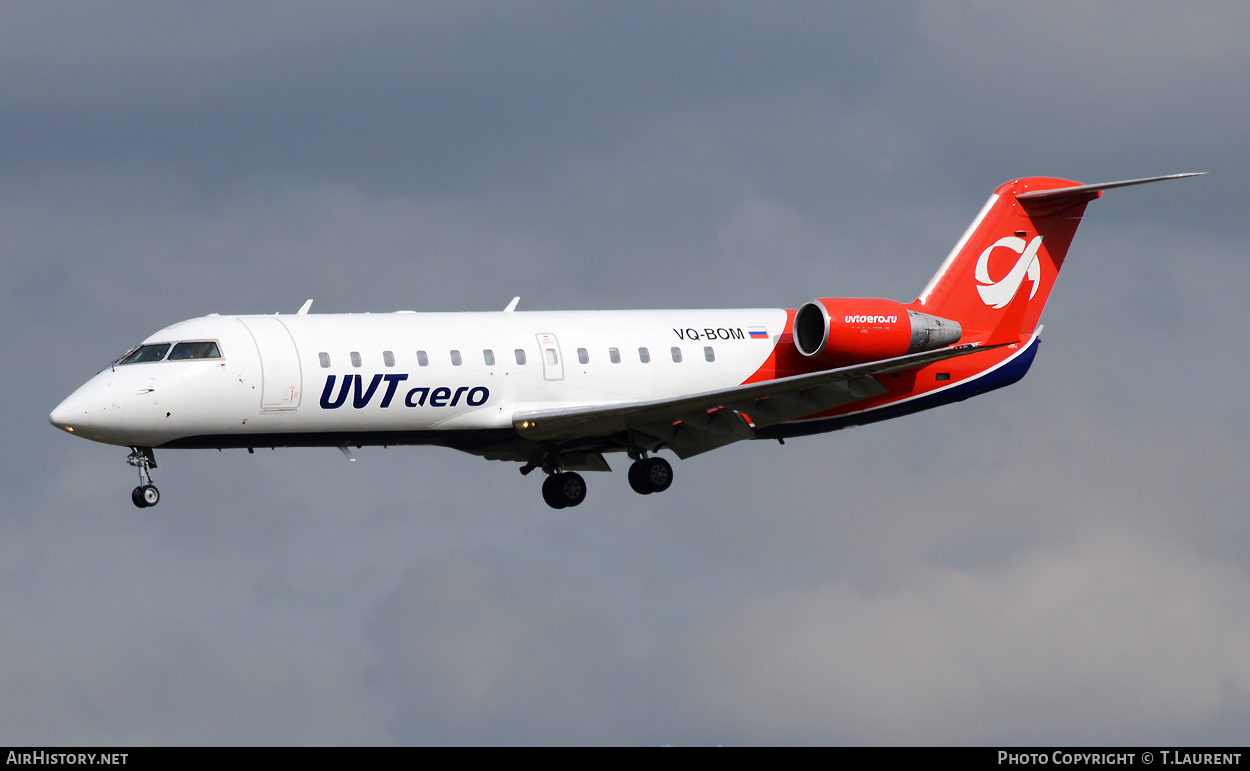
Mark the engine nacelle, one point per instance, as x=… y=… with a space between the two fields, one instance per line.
x=839 y=331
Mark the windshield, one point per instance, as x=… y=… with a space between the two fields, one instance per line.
x=201 y=350
x=144 y=353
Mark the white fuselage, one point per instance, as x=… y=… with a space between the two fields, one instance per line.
x=393 y=377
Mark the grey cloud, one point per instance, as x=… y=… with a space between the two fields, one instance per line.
x=1148 y=635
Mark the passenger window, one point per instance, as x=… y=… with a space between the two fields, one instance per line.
x=388 y=358
x=676 y=355
x=943 y=376
x=146 y=353
x=520 y=355
x=455 y=358
x=422 y=359
x=644 y=355
x=551 y=356
x=489 y=357
x=708 y=353
x=325 y=360
x=614 y=355
x=355 y=358
x=583 y=356
x=201 y=350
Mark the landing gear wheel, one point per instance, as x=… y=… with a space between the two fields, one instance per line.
x=551 y=493
x=657 y=473
x=638 y=478
x=572 y=488
x=564 y=490
x=145 y=494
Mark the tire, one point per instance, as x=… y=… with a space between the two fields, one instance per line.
x=136 y=497
x=572 y=488
x=151 y=496
x=638 y=478
x=658 y=474
x=551 y=492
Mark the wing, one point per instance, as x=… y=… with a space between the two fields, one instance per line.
x=694 y=424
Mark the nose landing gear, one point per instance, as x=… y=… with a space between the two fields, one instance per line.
x=145 y=494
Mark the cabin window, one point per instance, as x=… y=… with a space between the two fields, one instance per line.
x=146 y=353
x=614 y=355
x=708 y=353
x=551 y=356
x=455 y=359
x=422 y=359
x=355 y=358
x=943 y=376
x=520 y=355
x=644 y=356
x=388 y=358
x=676 y=355
x=199 y=350
x=583 y=356
x=488 y=356
x=325 y=359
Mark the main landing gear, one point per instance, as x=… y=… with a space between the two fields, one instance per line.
x=650 y=475
x=565 y=489
x=145 y=494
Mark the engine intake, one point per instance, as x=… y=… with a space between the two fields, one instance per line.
x=838 y=331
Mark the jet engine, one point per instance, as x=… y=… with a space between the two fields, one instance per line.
x=839 y=331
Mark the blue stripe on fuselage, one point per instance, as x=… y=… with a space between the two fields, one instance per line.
x=1009 y=372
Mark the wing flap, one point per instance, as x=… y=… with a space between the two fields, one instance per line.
x=701 y=422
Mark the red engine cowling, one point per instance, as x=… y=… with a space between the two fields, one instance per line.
x=839 y=331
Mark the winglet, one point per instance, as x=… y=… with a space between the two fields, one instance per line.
x=512 y=305
x=303 y=309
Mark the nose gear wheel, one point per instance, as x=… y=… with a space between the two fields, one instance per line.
x=145 y=494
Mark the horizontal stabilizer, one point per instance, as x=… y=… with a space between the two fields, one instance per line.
x=1089 y=192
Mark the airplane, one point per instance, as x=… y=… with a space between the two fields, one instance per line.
x=559 y=390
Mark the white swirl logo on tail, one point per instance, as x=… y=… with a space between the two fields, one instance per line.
x=998 y=294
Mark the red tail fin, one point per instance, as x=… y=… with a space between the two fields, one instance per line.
x=1015 y=243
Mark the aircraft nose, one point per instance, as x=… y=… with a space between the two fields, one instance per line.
x=73 y=414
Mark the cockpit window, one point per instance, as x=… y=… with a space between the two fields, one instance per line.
x=201 y=350
x=144 y=353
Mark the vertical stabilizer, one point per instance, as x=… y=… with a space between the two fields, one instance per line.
x=1014 y=247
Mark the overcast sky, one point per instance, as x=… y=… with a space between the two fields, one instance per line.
x=1063 y=561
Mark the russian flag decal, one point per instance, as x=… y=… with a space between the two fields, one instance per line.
x=757 y=333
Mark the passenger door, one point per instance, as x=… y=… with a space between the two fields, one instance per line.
x=281 y=378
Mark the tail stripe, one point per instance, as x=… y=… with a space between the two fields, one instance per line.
x=959 y=246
